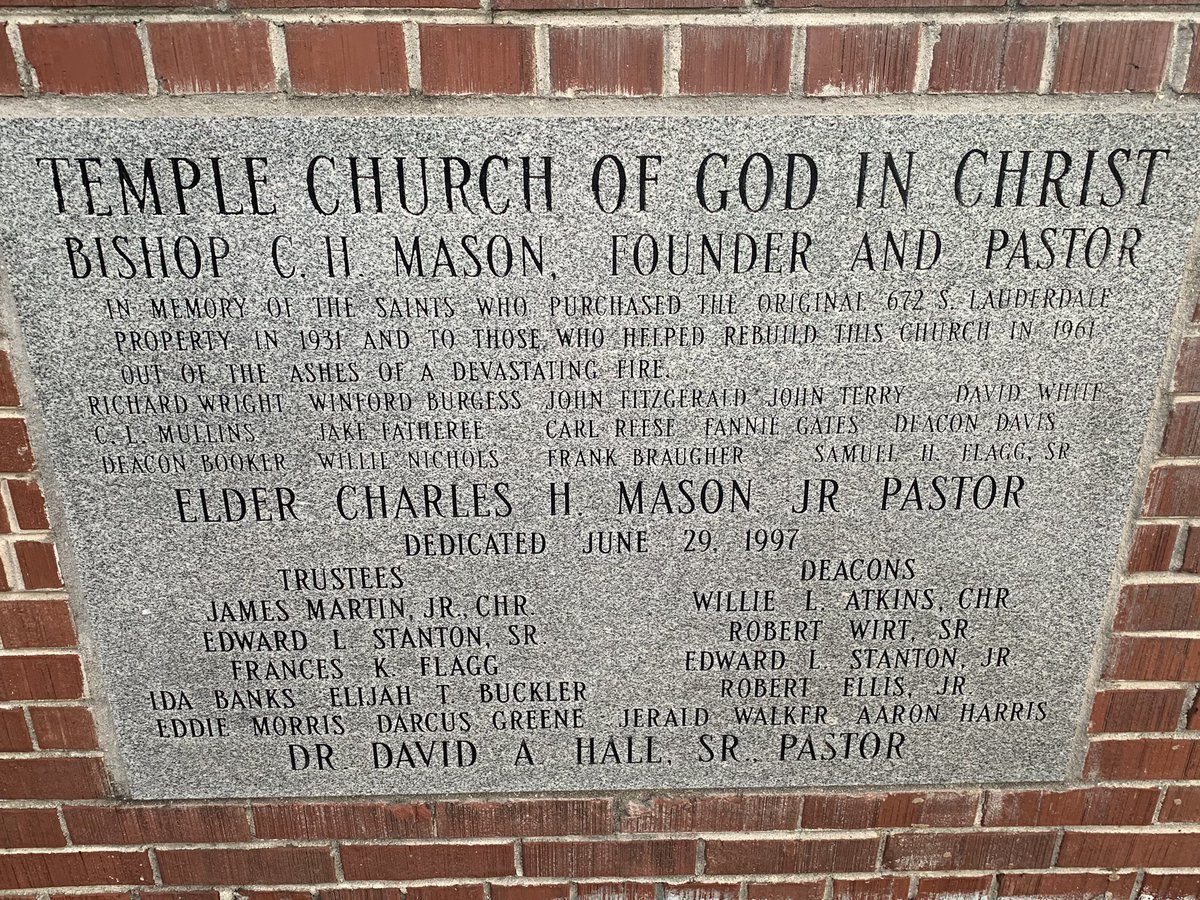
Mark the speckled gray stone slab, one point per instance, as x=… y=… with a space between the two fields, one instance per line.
x=416 y=455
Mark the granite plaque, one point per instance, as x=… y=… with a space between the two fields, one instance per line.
x=411 y=455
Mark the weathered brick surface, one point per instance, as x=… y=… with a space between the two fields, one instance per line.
x=988 y=58
x=413 y=862
x=861 y=59
x=599 y=859
x=342 y=821
x=783 y=857
x=477 y=59
x=610 y=60
x=85 y=58
x=955 y=850
x=70 y=868
x=38 y=827
x=723 y=812
x=257 y=865
x=1112 y=57
x=1152 y=709
x=14 y=732
x=524 y=818
x=64 y=727
x=897 y=809
x=1086 y=806
x=37 y=623
x=212 y=57
x=735 y=60
x=1153 y=548
x=56 y=676
x=29 y=504
x=347 y=58
x=177 y=824
x=1144 y=759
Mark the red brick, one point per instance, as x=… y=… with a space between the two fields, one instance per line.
x=416 y=862
x=356 y=4
x=1085 y=806
x=890 y=888
x=15 y=453
x=165 y=894
x=1187 y=367
x=955 y=887
x=447 y=892
x=261 y=865
x=1143 y=759
x=1132 y=849
x=1153 y=547
x=476 y=59
x=14 y=733
x=524 y=818
x=29 y=504
x=1192 y=86
x=1158 y=607
x=1181 y=804
x=790 y=890
x=861 y=59
x=85 y=59
x=68 y=868
x=342 y=821
x=5 y=583
x=626 y=890
x=597 y=859
x=94 y=895
x=64 y=727
x=977 y=850
x=614 y=60
x=982 y=58
x=10 y=86
x=1157 y=709
x=256 y=894
x=613 y=4
x=37 y=623
x=1066 y=885
x=889 y=4
x=158 y=824
x=5 y=526
x=39 y=564
x=53 y=779
x=770 y=857
x=1133 y=658
x=49 y=677
x=741 y=60
x=1173 y=491
x=1191 y=552
x=347 y=58
x=531 y=891
x=9 y=396
x=894 y=810
x=730 y=812
x=30 y=828
x=1182 y=434
x=695 y=890
x=360 y=894
x=1112 y=57
x=212 y=57
x=1175 y=886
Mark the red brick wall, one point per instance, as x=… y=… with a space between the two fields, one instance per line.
x=574 y=47
x=1129 y=827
